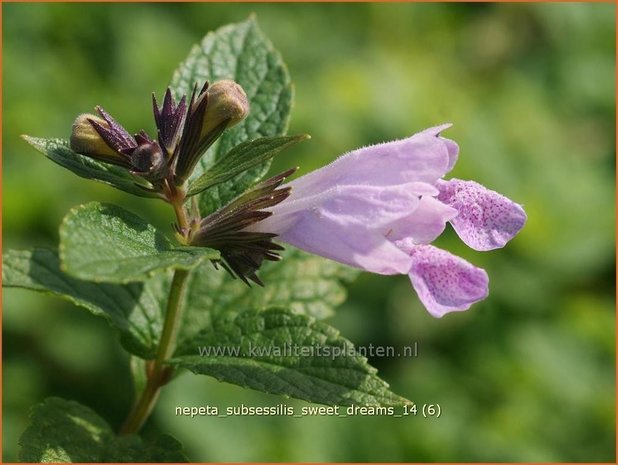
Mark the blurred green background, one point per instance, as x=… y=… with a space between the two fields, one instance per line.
x=527 y=375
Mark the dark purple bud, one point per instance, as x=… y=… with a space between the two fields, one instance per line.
x=149 y=161
x=102 y=138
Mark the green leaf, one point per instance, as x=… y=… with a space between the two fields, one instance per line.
x=242 y=158
x=65 y=431
x=58 y=151
x=163 y=448
x=101 y=242
x=242 y=53
x=304 y=283
x=282 y=353
x=135 y=309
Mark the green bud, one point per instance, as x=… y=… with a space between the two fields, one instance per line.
x=227 y=101
x=86 y=140
x=215 y=109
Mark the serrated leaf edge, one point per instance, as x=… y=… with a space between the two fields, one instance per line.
x=144 y=276
x=141 y=190
x=311 y=323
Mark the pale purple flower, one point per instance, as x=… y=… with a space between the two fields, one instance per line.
x=377 y=208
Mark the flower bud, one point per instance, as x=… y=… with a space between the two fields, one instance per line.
x=86 y=140
x=215 y=109
x=149 y=161
x=227 y=101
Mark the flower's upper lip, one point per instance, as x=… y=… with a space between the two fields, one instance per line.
x=436 y=130
x=423 y=157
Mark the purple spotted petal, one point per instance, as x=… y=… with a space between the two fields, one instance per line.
x=444 y=282
x=423 y=157
x=349 y=224
x=486 y=220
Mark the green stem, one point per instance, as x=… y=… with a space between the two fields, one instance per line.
x=181 y=215
x=172 y=317
x=176 y=196
x=159 y=373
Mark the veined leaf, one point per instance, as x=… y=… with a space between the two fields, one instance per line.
x=242 y=158
x=282 y=353
x=58 y=151
x=304 y=283
x=65 y=431
x=100 y=242
x=240 y=52
x=133 y=449
x=134 y=309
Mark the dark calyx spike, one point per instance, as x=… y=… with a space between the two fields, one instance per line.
x=243 y=252
x=192 y=143
x=169 y=119
x=115 y=135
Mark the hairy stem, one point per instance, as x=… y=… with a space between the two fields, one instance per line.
x=158 y=373
x=181 y=215
x=176 y=196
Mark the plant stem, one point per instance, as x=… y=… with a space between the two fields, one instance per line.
x=181 y=215
x=176 y=196
x=159 y=373
x=172 y=317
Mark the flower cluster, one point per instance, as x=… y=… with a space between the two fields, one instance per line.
x=184 y=133
x=378 y=208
